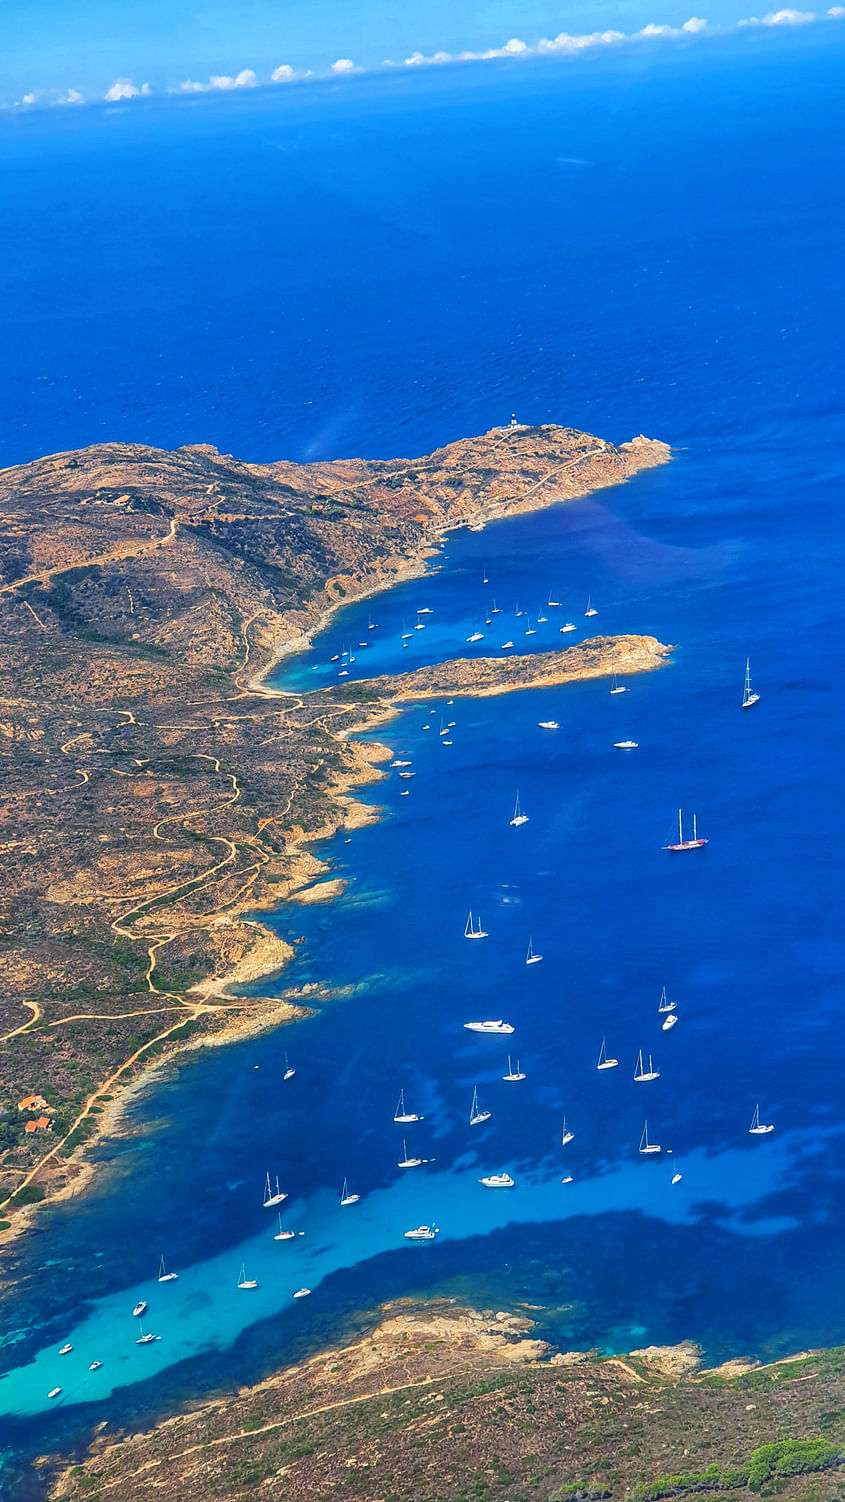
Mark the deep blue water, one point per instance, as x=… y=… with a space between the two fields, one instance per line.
x=653 y=245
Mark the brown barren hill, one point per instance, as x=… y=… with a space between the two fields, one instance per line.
x=156 y=790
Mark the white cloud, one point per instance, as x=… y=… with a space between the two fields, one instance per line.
x=124 y=88
x=72 y=96
x=283 y=74
x=29 y=99
x=345 y=65
x=564 y=42
x=689 y=28
x=836 y=12
x=780 y=18
x=694 y=25
x=418 y=59
x=246 y=79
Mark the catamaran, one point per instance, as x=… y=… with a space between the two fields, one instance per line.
x=272 y=1196
x=617 y=688
x=643 y=1075
x=400 y=1114
x=664 y=1004
x=604 y=1062
x=497 y=1181
x=164 y=1276
x=470 y=931
x=489 y=1027
x=346 y=1198
x=681 y=844
x=476 y=1115
x=532 y=958
x=244 y=1281
x=422 y=1233
x=748 y=698
x=645 y=1145
x=476 y=636
x=405 y=1161
x=513 y=1074
x=145 y=1340
x=566 y=1135
x=282 y=1235
x=590 y=610
x=570 y=626
x=289 y=1073
x=518 y=816
x=756 y=1128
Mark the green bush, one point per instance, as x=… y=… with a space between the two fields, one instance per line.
x=31 y=1194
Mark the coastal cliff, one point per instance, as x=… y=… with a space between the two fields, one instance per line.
x=157 y=790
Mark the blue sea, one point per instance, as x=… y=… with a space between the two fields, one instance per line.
x=647 y=243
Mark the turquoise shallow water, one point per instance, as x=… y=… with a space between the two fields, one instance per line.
x=711 y=319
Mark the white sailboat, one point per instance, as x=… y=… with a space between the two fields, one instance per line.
x=476 y=636
x=282 y=1235
x=400 y=1114
x=476 y=1115
x=497 y=1181
x=495 y=609
x=604 y=1062
x=272 y=1196
x=570 y=626
x=371 y=624
x=532 y=958
x=664 y=1004
x=513 y=1074
x=421 y=1233
x=616 y=687
x=145 y=1339
x=676 y=1172
x=645 y=1145
x=643 y=1075
x=518 y=816
x=405 y=1161
x=420 y=625
x=346 y=1198
x=516 y=610
x=748 y=697
x=289 y=1072
x=681 y=844
x=590 y=610
x=542 y=619
x=164 y=1276
x=470 y=931
x=757 y=1129
x=244 y=1281
x=406 y=635
x=552 y=603
x=530 y=630
x=489 y=1027
x=566 y=1135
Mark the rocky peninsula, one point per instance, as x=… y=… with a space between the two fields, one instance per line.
x=157 y=790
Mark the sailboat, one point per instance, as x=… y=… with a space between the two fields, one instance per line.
x=676 y=1172
x=530 y=630
x=244 y=1281
x=604 y=1062
x=590 y=610
x=400 y=1114
x=566 y=1135
x=748 y=698
x=470 y=931
x=513 y=1074
x=145 y=1340
x=497 y=1181
x=664 y=1004
x=645 y=1145
x=643 y=1075
x=550 y=602
x=420 y=626
x=570 y=626
x=476 y=636
x=346 y=1198
x=371 y=625
x=489 y=1027
x=495 y=609
x=281 y=1235
x=518 y=816
x=476 y=1115
x=531 y=957
x=272 y=1196
x=405 y=1161
x=617 y=688
x=542 y=619
x=516 y=610
x=406 y=635
x=756 y=1128
x=164 y=1276
x=289 y=1073
x=681 y=844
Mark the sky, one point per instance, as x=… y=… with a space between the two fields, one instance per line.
x=59 y=53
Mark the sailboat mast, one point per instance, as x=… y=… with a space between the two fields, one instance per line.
x=680 y=828
x=695 y=826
